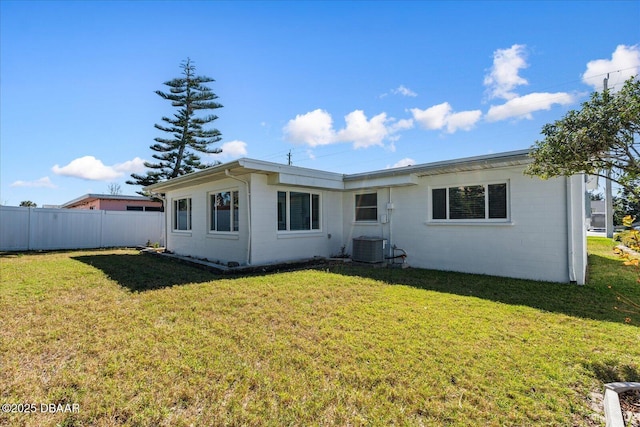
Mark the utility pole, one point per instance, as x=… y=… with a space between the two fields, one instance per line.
x=608 y=190
x=289 y=158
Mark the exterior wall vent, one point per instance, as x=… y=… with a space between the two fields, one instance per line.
x=368 y=249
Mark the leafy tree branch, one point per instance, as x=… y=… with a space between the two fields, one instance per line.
x=599 y=139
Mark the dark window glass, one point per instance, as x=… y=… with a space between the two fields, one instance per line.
x=299 y=211
x=439 y=196
x=497 y=200
x=315 y=212
x=367 y=207
x=282 y=210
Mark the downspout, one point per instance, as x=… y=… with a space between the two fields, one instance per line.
x=248 y=191
x=389 y=215
x=570 y=242
x=165 y=233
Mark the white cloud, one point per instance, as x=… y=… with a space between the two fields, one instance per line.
x=316 y=128
x=403 y=163
x=233 y=148
x=464 y=120
x=313 y=128
x=624 y=63
x=402 y=124
x=503 y=77
x=394 y=128
x=523 y=106
x=362 y=132
x=441 y=116
x=400 y=90
x=88 y=167
x=136 y=165
x=44 y=182
x=404 y=91
x=433 y=117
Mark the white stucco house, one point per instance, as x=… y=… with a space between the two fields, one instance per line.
x=476 y=215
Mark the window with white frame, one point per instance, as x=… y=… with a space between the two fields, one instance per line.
x=470 y=202
x=182 y=214
x=367 y=207
x=223 y=211
x=298 y=211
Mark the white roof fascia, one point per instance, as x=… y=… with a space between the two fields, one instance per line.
x=305 y=181
x=512 y=158
x=260 y=165
x=280 y=174
x=385 y=181
x=191 y=178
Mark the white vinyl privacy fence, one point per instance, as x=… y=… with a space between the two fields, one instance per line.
x=48 y=229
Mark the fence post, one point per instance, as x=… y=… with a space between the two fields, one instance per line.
x=102 y=219
x=29 y=229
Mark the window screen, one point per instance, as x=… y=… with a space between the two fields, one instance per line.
x=466 y=202
x=487 y=201
x=224 y=211
x=298 y=211
x=182 y=214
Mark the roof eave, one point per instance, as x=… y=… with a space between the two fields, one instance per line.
x=244 y=166
x=288 y=175
x=202 y=175
x=511 y=158
x=86 y=198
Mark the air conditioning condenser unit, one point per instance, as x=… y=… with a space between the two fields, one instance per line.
x=368 y=249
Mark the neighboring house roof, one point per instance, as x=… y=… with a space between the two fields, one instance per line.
x=87 y=198
x=294 y=175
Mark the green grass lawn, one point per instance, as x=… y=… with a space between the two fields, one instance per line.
x=140 y=340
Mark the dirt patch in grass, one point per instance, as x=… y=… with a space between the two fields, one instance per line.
x=630 y=405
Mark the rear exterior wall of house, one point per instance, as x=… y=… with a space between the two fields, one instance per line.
x=529 y=240
x=276 y=234
x=492 y=221
x=191 y=231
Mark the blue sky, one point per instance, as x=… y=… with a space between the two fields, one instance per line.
x=346 y=86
